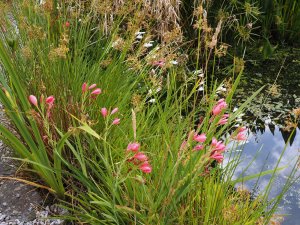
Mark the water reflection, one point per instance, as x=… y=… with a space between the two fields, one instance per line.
x=273 y=140
x=285 y=133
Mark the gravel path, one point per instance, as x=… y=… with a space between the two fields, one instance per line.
x=19 y=203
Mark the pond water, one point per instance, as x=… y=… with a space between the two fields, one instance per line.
x=269 y=114
x=272 y=143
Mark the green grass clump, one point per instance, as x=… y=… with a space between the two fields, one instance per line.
x=121 y=131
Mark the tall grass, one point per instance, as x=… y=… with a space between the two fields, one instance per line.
x=148 y=147
x=280 y=20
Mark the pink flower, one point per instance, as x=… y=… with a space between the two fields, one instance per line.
x=116 y=121
x=140 y=156
x=67 y=24
x=84 y=87
x=241 y=137
x=92 y=86
x=217 y=109
x=104 y=112
x=224 y=119
x=214 y=141
x=217 y=156
x=114 y=111
x=199 y=138
x=133 y=146
x=33 y=100
x=159 y=63
x=241 y=129
x=218 y=146
x=198 y=147
x=50 y=100
x=145 y=167
x=96 y=92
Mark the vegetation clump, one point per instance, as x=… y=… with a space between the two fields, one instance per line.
x=119 y=121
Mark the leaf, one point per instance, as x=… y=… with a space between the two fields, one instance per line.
x=28 y=183
x=127 y=209
x=89 y=130
x=253 y=176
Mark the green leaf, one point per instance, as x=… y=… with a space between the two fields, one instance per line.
x=254 y=176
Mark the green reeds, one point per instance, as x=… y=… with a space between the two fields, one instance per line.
x=83 y=157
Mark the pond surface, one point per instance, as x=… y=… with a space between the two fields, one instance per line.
x=272 y=143
x=271 y=117
x=280 y=78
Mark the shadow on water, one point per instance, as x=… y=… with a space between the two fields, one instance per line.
x=272 y=141
x=286 y=134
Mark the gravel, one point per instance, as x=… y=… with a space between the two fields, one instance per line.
x=20 y=203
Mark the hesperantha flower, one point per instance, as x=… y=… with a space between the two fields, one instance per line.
x=199 y=137
x=115 y=110
x=218 y=108
x=50 y=100
x=133 y=147
x=145 y=167
x=242 y=129
x=92 y=86
x=198 y=147
x=116 y=121
x=240 y=136
x=96 y=92
x=84 y=87
x=67 y=24
x=140 y=157
x=33 y=100
x=217 y=156
x=224 y=119
x=217 y=146
x=104 y=112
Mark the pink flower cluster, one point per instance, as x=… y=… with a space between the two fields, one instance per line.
x=217 y=148
x=94 y=91
x=218 y=108
x=224 y=119
x=49 y=101
x=200 y=138
x=104 y=113
x=139 y=158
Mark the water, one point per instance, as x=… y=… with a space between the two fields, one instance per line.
x=272 y=143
